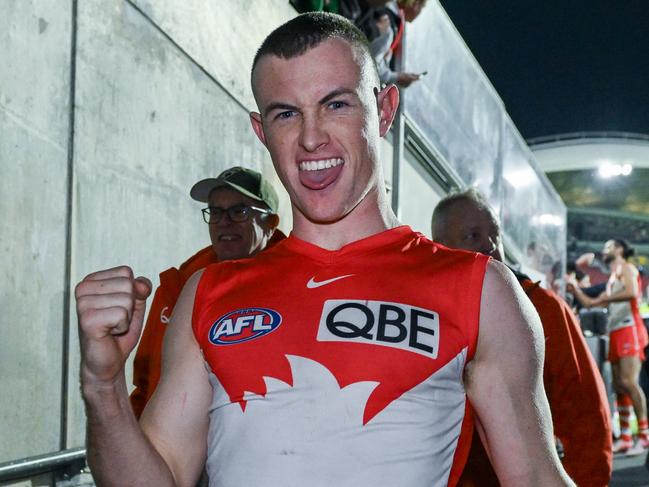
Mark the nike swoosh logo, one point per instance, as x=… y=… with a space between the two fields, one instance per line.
x=312 y=284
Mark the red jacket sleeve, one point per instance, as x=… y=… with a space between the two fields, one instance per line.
x=575 y=391
x=146 y=367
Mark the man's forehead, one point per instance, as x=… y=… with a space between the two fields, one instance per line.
x=227 y=194
x=467 y=210
x=332 y=56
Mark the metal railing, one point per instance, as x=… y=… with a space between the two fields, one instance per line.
x=65 y=463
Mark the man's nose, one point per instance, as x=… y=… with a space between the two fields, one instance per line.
x=225 y=220
x=313 y=134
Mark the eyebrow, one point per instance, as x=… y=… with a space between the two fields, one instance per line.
x=278 y=106
x=336 y=93
x=328 y=97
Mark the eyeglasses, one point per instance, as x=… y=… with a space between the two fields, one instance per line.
x=237 y=213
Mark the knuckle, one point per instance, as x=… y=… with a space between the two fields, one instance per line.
x=82 y=304
x=125 y=271
x=79 y=289
x=122 y=315
x=86 y=318
x=124 y=285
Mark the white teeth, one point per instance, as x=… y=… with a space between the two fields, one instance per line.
x=321 y=164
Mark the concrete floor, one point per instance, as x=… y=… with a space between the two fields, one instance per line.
x=630 y=471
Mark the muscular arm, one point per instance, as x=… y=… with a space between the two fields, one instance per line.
x=176 y=418
x=504 y=385
x=168 y=449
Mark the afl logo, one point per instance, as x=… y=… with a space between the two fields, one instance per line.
x=244 y=325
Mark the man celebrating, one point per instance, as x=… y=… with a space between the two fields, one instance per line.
x=628 y=339
x=572 y=382
x=242 y=218
x=345 y=354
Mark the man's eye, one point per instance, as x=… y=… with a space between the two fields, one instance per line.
x=239 y=210
x=285 y=115
x=335 y=105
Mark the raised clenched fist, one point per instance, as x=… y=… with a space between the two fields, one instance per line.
x=110 y=308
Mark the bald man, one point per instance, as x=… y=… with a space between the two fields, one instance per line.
x=573 y=385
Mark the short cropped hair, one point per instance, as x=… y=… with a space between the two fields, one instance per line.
x=471 y=194
x=307 y=31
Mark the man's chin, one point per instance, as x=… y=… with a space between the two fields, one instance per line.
x=324 y=217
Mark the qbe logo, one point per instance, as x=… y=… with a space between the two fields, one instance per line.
x=244 y=325
x=393 y=325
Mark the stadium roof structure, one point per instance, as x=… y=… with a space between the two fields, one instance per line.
x=574 y=78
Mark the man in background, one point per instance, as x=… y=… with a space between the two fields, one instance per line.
x=242 y=218
x=627 y=341
x=572 y=382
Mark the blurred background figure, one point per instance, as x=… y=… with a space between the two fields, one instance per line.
x=574 y=387
x=628 y=339
x=384 y=28
x=382 y=22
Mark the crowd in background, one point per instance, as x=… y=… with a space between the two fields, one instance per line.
x=383 y=22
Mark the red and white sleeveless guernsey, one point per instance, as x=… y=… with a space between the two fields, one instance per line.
x=340 y=368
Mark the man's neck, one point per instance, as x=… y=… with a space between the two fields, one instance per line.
x=371 y=216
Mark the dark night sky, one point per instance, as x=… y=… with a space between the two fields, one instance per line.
x=563 y=66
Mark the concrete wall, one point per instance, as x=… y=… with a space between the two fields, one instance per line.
x=34 y=107
x=161 y=96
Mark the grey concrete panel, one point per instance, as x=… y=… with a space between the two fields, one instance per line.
x=34 y=92
x=230 y=33
x=149 y=124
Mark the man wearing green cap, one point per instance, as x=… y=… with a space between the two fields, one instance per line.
x=242 y=218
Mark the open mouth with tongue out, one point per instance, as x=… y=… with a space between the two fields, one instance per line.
x=319 y=174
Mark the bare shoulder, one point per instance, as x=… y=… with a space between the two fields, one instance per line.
x=188 y=292
x=505 y=308
x=510 y=338
x=629 y=269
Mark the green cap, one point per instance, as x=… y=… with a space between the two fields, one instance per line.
x=245 y=181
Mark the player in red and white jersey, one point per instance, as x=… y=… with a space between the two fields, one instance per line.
x=337 y=373
x=361 y=382
x=626 y=348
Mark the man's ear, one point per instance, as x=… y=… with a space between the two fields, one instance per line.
x=387 y=101
x=272 y=221
x=258 y=126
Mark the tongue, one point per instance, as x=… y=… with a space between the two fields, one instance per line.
x=321 y=178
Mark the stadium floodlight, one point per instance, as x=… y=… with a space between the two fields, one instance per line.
x=609 y=170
